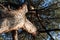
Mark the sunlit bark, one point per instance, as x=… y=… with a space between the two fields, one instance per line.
x=20 y=20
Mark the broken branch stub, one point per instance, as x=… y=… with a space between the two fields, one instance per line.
x=16 y=19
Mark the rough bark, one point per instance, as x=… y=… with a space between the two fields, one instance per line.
x=18 y=19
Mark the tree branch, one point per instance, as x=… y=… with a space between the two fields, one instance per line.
x=49 y=30
x=20 y=21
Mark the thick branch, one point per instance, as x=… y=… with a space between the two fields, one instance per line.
x=20 y=18
x=29 y=27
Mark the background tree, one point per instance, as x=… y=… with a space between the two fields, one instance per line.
x=44 y=14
